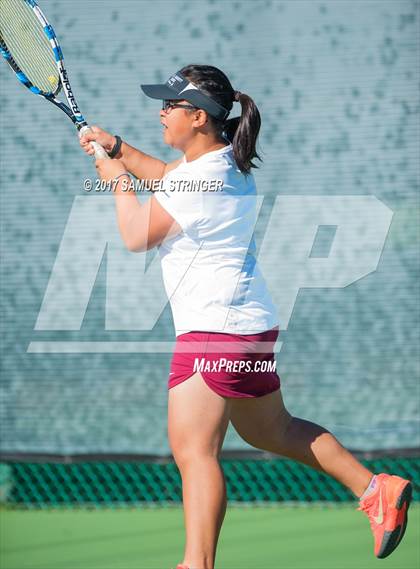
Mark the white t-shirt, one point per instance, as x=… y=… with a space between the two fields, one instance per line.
x=210 y=273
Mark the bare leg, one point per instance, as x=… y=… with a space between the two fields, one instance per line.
x=204 y=498
x=264 y=423
x=197 y=422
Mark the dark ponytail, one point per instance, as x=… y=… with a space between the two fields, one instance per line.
x=241 y=131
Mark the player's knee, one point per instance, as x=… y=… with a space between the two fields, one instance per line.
x=284 y=422
x=188 y=460
x=186 y=455
x=270 y=436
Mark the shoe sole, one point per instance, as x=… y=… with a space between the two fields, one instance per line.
x=393 y=538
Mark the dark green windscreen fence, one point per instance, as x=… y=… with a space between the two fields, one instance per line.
x=86 y=330
x=117 y=484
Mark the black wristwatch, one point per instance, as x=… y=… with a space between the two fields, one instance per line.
x=116 y=148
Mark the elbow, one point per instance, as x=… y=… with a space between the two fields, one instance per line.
x=135 y=242
x=135 y=247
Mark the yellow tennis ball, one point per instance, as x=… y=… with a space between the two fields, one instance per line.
x=52 y=79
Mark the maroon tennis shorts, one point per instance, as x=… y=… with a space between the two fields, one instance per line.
x=232 y=365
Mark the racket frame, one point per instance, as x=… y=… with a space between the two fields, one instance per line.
x=72 y=109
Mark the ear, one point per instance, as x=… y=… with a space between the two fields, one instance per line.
x=200 y=118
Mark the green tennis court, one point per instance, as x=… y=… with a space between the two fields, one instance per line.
x=305 y=537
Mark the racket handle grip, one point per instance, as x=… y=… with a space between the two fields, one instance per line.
x=100 y=152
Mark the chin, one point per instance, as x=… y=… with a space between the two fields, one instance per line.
x=169 y=141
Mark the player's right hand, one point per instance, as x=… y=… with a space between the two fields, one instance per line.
x=105 y=139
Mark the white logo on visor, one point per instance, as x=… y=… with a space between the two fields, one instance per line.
x=172 y=80
x=188 y=88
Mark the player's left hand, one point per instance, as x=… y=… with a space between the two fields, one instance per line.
x=109 y=169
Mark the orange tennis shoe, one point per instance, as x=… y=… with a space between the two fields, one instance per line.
x=386 y=508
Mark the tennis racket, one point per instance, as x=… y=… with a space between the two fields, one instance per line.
x=29 y=45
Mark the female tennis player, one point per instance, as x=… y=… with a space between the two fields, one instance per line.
x=201 y=216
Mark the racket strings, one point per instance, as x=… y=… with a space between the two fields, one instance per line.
x=24 y=37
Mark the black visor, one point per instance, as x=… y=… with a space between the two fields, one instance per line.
x=177 y=87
